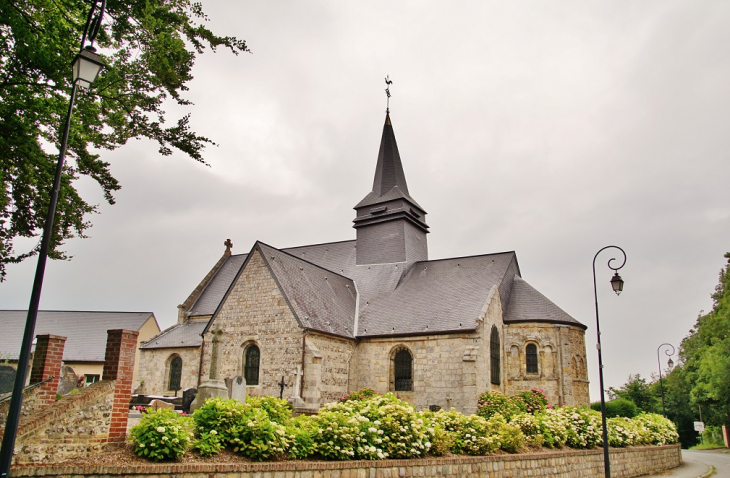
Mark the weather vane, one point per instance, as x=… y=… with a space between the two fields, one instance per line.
x=387 y=93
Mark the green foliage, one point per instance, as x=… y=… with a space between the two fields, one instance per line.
x=618 y=407
x=277 y=409
x=361 y=394
x=220 y=415
x=302 y=432
x=656 y=430
x=584 y=426
x=162 y=435
x=209 y=443
x=534 y=400
x=259 y=438
x=491 y=403
x=149 y=48
x=639 y=391
x=623 y=432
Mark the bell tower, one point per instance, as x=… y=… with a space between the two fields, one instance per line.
x=391 y=225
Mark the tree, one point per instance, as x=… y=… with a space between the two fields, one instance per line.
x=149 y=47
x=637 y=390
x=705 y=353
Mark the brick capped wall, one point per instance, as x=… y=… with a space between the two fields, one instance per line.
x=121 y=346
x=625 y=462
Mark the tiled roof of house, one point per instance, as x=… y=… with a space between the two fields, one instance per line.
x=182 y=335
x=85 y=331
x=528 y=305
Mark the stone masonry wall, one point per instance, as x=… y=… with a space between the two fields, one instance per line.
x=331 y=381
x=558 y=348
x=449 y=370
x=75 y=426
x=256 y=312
x=625 y=462
x=154 y=369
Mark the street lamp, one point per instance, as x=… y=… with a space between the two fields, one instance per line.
x=617 y=284
x=86 y=67
x=670 y=364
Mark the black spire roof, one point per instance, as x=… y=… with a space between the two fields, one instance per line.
x=390 y=180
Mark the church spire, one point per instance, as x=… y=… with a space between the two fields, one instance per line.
x=391 y=225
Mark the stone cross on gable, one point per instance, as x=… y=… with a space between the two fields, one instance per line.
x=229 y=246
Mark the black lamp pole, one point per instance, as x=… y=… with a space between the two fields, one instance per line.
x=670 y=364
x=86 y=67
x=617 y=284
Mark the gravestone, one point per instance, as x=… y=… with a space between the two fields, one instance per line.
x=238 y=388
x=157 y=404
x=188 y=396
x=7 y=378
x=67 y=381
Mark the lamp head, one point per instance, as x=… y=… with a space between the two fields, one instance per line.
x=86 y=67
x=617 y=283
x=670 y=363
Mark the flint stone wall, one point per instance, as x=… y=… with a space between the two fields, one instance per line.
x=76 y=425
x=625 y=462
x=154 y=370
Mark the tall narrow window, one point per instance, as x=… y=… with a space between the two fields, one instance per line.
x=251 y=369
x=175 y=374
x=403 y=371
x=494 y=355
x=531 y=356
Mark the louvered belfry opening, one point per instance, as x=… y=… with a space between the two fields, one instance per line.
x=175 y=374
x=494 y=355
x=531 y=356
x=251 y=369
x=403 y=371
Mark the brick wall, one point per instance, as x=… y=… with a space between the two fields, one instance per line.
x=625 y=462
x=47 y=361
x=121 y=346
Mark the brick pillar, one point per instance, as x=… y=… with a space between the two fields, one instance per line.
x=47 y=362
x=121 y=346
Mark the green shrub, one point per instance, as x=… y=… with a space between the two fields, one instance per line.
x=530 y=427
x=209 y=443
x=623 y=431
x=655 y=429
x=162 y=435
x=553 y=427
x=510 y=436
x=302 y=432
x=278 y=410
x=584 y=426
x=361 y=394
x=220 y=415
x=491 y=403
x=534 y=400
x=618 y=407
x=259 y=438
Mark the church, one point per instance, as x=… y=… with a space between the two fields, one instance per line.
x=315 y=322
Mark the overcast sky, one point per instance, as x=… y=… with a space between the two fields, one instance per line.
x=548 y=128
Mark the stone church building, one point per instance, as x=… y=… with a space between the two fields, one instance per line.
x=328 y=319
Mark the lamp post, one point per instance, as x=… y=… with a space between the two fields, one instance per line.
x=617 y=284
x=670 y=364
x=85 y=68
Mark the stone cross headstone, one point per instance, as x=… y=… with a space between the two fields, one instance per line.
x=67 y=381
x=214 y=386
x=238 y=388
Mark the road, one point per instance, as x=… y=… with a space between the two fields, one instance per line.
x=697 y=463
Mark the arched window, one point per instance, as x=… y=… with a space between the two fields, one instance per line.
x=403 y=368
x=494 y=355
x=251 y=365
x=531 y=357
x=175 y=373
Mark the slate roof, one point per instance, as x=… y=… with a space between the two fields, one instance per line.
x=216 y=289
x=85 y=331
x=528 y=305
x=182 y=335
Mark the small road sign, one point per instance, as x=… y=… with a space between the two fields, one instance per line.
x=699 y=427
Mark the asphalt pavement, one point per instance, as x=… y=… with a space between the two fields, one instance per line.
x=702 y=464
